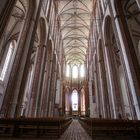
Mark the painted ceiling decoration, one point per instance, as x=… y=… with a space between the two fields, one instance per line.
x=75 y=20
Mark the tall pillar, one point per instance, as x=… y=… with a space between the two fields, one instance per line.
x=40 y=82
x=70 y=90
x=53 y=89
x=79 y=93
x=52 y=86
x=97 y=90
x=103 y=83
x=45 y=105
x=79 y=102
x=47 y=79
x=104 y=91
x=48 y=93
x=16 y=77
x=64 y=100
x=70 y=101
x=34 y=92
x=92 y=105
x=101 y=94
x=61 y=96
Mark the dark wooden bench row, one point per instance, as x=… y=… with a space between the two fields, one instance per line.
x=100 y=127
x=36 y=127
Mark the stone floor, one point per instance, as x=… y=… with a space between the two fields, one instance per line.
x=75 y=132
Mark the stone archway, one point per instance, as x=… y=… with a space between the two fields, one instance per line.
x=117 y=87
x=104 y=95
x=130 y=52
x=37 y=63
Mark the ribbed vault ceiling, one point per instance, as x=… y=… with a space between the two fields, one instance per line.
x=74 y=16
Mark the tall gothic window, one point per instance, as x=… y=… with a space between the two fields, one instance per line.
x=13 y=29
x=82 y=71
x=74 y=99
x=8 y=60
x=67 y=70
x=75 y=71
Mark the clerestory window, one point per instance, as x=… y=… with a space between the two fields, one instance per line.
x=8 y=60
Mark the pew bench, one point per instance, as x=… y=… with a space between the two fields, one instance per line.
x=106 y=127
x=34 y=127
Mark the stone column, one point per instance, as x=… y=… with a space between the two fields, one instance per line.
x=52 y=89
x=104 y=91
x=16 y=77
x=34 y=92
x=61 y=94
x=54 y=92
x=79 y=93
x=50 y=82
x=46 y=81
x=97 y=90
x=57 y=97
x=102 y=4
x=103 y=84
x=28 y=104
x=44 y=88
x=79 y=102
x=47 y=89
x=91 y=104
x=87 y=102
x=63 y=100
x=70 y=90
x=93 y=111
x=101 y=94
x=70 y=101
x=40 y=82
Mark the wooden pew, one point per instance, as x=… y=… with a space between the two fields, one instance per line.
x=6 y=127
x=34 y=127
x=105 y=127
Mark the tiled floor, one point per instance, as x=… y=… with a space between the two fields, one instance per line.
x=75 y=132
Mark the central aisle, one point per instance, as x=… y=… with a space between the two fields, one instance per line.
x=75 y=132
